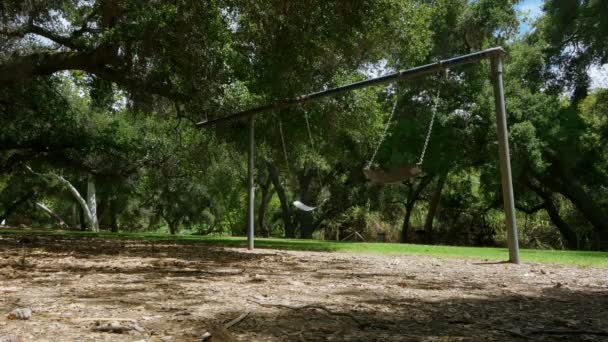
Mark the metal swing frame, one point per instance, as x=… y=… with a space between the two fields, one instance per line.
x=495 y=56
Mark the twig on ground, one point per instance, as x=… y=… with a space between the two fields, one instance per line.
x=312 y=306
x=207 y=335
x=236 y=320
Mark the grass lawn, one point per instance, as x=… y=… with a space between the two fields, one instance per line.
x=579 y=258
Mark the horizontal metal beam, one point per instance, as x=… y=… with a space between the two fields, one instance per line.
x=404 y=74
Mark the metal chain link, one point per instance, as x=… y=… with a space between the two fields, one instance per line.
x=284 y=145
x=312 y=144
x=383 y=136
x=430 y=129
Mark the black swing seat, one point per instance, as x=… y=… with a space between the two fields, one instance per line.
x=394 y=175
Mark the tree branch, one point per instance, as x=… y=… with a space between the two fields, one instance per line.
x=98 y=62
x=52 y=214
x=67 y=41
x=72 y=190
x=46 y=63
x=85 y=24
x=533 y=209
x=30 y=27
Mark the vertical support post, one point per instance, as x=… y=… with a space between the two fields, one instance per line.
x=250 y=185
x=505 y=161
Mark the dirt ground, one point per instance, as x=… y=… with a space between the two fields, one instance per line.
x=171 y=292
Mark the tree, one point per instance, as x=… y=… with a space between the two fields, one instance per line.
x=167 y=50
x=575 y=33
x=549 y=156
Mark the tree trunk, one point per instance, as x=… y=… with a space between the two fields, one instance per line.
x=306 y=224
x=103 y=208
x=564 y=228
x=285 y=209
x=52 y=214
x=433 y=206
x=562 y=181
x=74 y=216
x=413 y=196
x=13 y=206
x=74 y=192
x=173 y=227
x=264 y=201
x=405 y=227
x=305 y=218
x=82 y=217
x=113 y=215
x=92 y=203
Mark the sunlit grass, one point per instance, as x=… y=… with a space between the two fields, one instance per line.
x=579 y=258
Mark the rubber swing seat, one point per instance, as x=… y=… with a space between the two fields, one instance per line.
x=394 y=175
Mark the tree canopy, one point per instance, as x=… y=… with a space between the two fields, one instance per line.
x=105 y=94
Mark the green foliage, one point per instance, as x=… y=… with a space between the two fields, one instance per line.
x=142 y=73
x=576 y=33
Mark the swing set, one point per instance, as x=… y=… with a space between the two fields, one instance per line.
x=376 y=175
x=401 y=173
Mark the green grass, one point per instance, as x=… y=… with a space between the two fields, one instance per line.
x=578 y=258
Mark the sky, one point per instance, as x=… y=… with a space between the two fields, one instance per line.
x=532 y=9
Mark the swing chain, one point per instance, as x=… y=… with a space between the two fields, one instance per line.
x=383 y=136
x=284 y=146
x=430 y=129
x=312 y=144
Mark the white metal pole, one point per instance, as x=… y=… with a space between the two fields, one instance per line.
x=251 y=186
x=505 y=161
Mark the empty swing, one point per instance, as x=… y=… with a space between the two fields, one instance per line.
x=297 y=203
x=400 y=173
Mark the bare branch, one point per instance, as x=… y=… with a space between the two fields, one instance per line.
x=31 y=28
x=62 y=40
x=71 y=188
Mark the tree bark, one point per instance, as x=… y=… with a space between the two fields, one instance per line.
x=305 y=218
x=432 y=211
x=173 y=227
x=92 y=203
x=413 y=196
x=264 y=201
x=285 y=209
x=52 y=214
x=113 y=215
x=405 y=226
x=78 y=197
x=563 y=182
x=564 y=228
x=82 y=217
x=73 y=191
x=74 y=216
